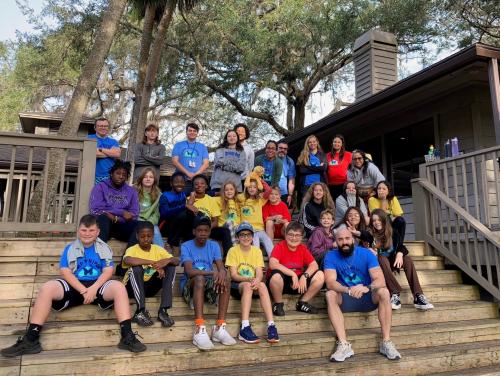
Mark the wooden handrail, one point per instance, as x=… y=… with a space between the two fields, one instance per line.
x=472 y=221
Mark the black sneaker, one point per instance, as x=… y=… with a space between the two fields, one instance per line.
x=421 y=303
x=306 y=307
x=21 y=347
x=164 y=318
x=142 y=318
x=278 y=309
x=131 y=343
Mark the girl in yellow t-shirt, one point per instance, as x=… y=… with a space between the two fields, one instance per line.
x=251 y=202
x=384 y=199
x=229 y=209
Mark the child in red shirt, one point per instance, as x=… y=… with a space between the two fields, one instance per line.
x=276 y=215
x=293 y=270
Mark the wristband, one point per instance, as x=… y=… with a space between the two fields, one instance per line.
x=306 y=275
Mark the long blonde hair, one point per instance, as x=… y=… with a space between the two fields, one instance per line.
x=223 y=201
x=155 y=191
x=304 y=154
x=327 y=198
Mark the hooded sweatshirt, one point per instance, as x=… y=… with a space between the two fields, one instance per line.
x=229 y=164
x=105 y=197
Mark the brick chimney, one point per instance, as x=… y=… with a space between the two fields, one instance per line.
x=375 y=62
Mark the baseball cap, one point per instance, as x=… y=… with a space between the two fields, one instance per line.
x=201 y=220
x=244 y=226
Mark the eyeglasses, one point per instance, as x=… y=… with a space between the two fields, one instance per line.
x=294 y=236
x=245 y=235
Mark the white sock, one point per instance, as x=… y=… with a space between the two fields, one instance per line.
x=269 y=323
x=245 y=323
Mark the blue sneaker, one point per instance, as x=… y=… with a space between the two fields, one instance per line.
x=248 y=336
x=272 y=334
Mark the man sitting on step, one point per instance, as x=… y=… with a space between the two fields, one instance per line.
x=86 y=267
x=356 y=283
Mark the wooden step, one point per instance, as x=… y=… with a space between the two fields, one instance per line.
x=480 y=371
x=87 y=333
x=22 y=287
x=49 y=265
x=11 y=315
x=420 y=361
x=243 y=359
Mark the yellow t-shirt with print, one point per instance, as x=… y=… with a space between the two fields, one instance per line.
x=251 y=211
x=394 y=208
x=156 y=253
x=208 y=206
x=231 y=214
x=246 y=263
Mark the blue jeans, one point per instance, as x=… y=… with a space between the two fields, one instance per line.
x=157 y=238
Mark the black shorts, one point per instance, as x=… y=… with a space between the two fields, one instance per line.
x=287 y=282
x=235 y=291
x=73 y=298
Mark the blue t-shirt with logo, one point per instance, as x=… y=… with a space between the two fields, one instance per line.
x=89 y=267
x=103 y=165
x=313 y=178
x=287 y=173
x=352 y=270
x=190 y=154
x=202 y=258
x=268 y=170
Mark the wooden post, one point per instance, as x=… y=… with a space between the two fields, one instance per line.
x=87 y=178
x=420 y=212
x=495 y=96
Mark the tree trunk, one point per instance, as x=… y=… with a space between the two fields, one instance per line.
x=300 y=113
x=154 y=63
x=79 y=101
x=289 y=116
x=146 y=39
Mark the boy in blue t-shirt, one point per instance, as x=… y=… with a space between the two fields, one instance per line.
x=190 y=157
x=108 y=150
x=356 y=283
x=202 y=282
x=86 y=268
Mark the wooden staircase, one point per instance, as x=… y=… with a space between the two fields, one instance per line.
x=460 y=336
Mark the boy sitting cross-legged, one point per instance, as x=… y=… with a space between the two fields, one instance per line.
x=150 y=268
x=86 y=267
x=201 y=282
x=245 y=263
x=293 y=270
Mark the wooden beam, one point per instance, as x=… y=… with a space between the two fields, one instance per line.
x=495 y=95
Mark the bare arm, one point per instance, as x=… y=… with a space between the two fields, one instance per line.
x=114 y=152
x=188 y=268
x=377 y=276
x=203 y=167
x=69 y=277
x=274 y=264
x=332 y=283
x=180 y=167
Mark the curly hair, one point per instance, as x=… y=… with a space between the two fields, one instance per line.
x=327 y=198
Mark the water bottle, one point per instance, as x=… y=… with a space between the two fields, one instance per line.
x=447 y=149
x=437 y=154
x=454 y=147
x=431 y=150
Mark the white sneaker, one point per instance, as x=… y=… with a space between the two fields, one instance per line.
x=222 y=336
x=388 y=349
x=343 y=352
x=395 y=301
x=201 y=339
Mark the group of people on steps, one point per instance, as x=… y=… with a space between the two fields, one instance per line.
x=349 y=239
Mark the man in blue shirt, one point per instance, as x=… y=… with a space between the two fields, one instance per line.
x=287 y=180
x=356 y=283
x=86 y=267
x=189 y=156
x=108 y=149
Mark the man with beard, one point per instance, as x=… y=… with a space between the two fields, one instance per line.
x=356 y=283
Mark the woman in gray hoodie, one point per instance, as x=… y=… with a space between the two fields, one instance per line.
x=229 y=162
x=364 y=174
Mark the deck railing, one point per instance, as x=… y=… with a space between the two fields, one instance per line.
x=472 y=181
x=457 y=235
x=24 y=171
